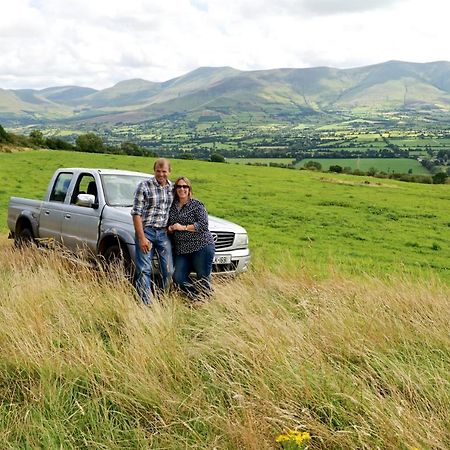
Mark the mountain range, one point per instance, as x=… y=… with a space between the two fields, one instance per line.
x=222 y=91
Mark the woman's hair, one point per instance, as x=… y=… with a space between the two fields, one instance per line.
x=187 y=181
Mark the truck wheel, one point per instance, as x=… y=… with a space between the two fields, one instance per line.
x=23 y=238
x=116 y=256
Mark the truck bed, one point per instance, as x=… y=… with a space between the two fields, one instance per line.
x=19 y=204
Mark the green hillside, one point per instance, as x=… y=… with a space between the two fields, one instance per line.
x=66 y=94
x=26 y=105
x=125 y=93
x=198 y=80
x=329 y=222
x=276 y=94
x=389 y=86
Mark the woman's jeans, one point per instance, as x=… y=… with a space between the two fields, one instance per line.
x=199 y=262
x=144 y=261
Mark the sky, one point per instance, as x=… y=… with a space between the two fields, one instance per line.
x=97 y=43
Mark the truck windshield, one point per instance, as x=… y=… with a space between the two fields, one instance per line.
x=119 y=189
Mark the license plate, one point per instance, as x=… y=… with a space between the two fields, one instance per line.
x=222 y=259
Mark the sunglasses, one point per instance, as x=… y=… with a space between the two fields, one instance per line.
x=181 y=186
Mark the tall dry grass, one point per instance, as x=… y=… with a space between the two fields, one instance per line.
x=358 y=363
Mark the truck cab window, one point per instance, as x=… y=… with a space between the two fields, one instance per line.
x=85 y=185
x=61 y=187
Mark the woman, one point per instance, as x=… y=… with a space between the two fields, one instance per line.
x=193 y=244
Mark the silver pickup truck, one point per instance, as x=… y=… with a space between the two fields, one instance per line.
x=90 y=209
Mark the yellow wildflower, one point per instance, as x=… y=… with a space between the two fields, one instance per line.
x=294 y=438
x=302 y=437
x=282 y=438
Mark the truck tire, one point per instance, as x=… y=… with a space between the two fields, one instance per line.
x=23 y=238
x=115 y=256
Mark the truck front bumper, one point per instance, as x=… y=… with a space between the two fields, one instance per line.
x=240 y=260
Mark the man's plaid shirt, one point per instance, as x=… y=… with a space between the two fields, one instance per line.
x=152 y=202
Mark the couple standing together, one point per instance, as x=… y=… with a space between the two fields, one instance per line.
x=168 y=220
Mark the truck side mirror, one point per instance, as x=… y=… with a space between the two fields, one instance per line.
x=86 y=200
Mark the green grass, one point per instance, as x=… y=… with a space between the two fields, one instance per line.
x=356 y=224
x=356 y=363
x=388 y=165
x=339 y=329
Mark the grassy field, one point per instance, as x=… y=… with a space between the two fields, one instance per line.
x=388 y=165
x=326 y=221
x=340 y=328
x=357 y=364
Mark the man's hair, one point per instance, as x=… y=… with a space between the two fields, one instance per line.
x=161 y=162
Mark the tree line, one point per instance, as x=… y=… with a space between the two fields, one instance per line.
x=88 y=142
x=437 y=178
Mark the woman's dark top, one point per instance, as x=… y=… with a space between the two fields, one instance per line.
x=193 y=212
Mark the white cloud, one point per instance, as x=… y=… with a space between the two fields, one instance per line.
x=97 y=43
x=328 y=7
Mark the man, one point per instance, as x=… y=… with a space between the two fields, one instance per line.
x=150 y=212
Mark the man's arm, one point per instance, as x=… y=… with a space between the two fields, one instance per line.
x=144 y=244
x=136 y=212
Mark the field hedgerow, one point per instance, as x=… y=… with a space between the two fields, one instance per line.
x=355 y=364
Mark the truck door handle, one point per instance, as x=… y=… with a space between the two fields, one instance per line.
x=47 y=212
x=67 y=216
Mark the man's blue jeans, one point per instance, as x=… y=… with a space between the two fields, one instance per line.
x=161 y=244
x=199 y=262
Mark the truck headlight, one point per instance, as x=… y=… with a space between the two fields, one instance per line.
x=241 y=240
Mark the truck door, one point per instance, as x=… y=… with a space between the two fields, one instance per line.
x=80 y=224
x=51 y=214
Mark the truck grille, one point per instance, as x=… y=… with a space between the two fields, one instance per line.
x=223 y=239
